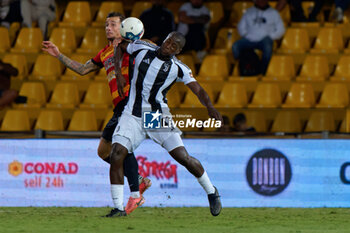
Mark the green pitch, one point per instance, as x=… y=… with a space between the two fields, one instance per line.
x=248 y=220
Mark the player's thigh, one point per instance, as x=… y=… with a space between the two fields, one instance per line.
x=129 y=132
x=169 y=140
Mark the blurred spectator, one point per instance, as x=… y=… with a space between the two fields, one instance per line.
x=226 y=125
x=10 y=11
x=340 y=7
x=259 y=27
x=194 y=20
x=42 y=11
x=158 y=22
x=297 y=12
x=240 y=124
x=7 y=96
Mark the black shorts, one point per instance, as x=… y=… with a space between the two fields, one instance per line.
x=113 y=122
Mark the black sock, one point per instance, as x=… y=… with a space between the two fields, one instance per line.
x=131 y=171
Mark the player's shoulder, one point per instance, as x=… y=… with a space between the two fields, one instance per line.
x=106 y=47
x=182 y=65
x=145 y=44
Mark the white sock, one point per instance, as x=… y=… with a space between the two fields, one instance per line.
x=206 y=184
x=135 y=194
x=117 y=191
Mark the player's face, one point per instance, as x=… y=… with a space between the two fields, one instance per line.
x=113 y=28
x=170 y=46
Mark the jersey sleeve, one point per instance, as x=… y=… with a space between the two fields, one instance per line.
x=97 y=59
x=185 y=74
x=138 y=45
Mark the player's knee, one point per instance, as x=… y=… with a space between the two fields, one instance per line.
x=118 y=154
x=102 y=152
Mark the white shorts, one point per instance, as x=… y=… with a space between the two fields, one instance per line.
x=130 y=133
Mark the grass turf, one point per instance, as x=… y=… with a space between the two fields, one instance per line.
x=252 y=220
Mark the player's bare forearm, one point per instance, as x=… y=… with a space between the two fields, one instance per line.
x=81 y=69
x=118 y=55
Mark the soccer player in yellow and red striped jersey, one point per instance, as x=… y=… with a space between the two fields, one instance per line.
x=105 y=58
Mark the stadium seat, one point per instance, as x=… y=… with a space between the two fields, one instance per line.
x=139 y=7
x=233 y=95
x=266 y=95
x=70 y=75
x=320 y=121
x=107 y=118
x=296 y=43
x=257 y=120
x=188 y=60
x=280 y=68
x=65 y=95
x=300 y=95
x=15 y=120
x=35 y=93
x=5 y=44
x=315 y=68
x=83 y=120
x=312 y=28
x=77 y=14
x=214 y=67
x=64 y=38
x=287 y=121
x=28 y=41
x=174 y=7
x=191 y=100
x=334 y=95
x=224 y=41
x=173 y=97
x=308 y=7
x=105 y=8
x=46 y=67
x=342 y=70
x=97 y=96
x=285 y=13
x=50 y=120
x=94 y=40
x=238 y=9
x=19 y=62
x=216 y=12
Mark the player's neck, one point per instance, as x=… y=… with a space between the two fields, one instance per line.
x=162 y=56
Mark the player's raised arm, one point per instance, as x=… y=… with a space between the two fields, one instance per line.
x=119 y=50
x=204 y=99
x=77 y=67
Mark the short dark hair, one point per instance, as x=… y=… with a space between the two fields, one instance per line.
x=116 y=14
x=179 y=37
x=240 y=117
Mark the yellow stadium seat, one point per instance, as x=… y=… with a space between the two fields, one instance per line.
x=174 y=7
x=312 y=28
x=191 y=100
x=97 y=96
x=50 y=120
x=238 y=9
x=280 y=68
x=19 y=62
x=342 y=70
x=105 y=8
x=233 y=95
x=342 y=128
x=64 y=38
x=109 y=115
x=15 y=120
x=139 y=7
x=93 y=41
x=77 y=14
x=28 y=41
x=188 y=60
x=308 y=7
x=300 y=95
x=5 y=44
x=266 y=95
x=35 y=93
x=285 y=13
x=46 y=67
x=65 y=95
x=334 y=95
x=216 y=12
x=173 y=97
x=72 y=75
x=257 y=120
x=295 y=42
x=288 y=122
x=83 y=120
x=320 y=121
x=214 y=67
x=224 y=41
x=315 y=68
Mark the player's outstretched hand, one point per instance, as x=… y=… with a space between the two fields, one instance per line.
x=50 y=48
x=212 y=112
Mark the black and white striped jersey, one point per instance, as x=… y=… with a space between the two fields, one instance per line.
x=152 y=78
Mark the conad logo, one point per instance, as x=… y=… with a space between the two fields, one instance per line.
x=16 y=168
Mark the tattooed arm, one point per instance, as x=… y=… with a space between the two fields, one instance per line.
x=81 y=69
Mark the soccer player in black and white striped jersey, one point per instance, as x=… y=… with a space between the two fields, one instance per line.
x=156 y=70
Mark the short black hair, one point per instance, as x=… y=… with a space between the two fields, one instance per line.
x=179 y=37
x=239 y=118
x=116 y=14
